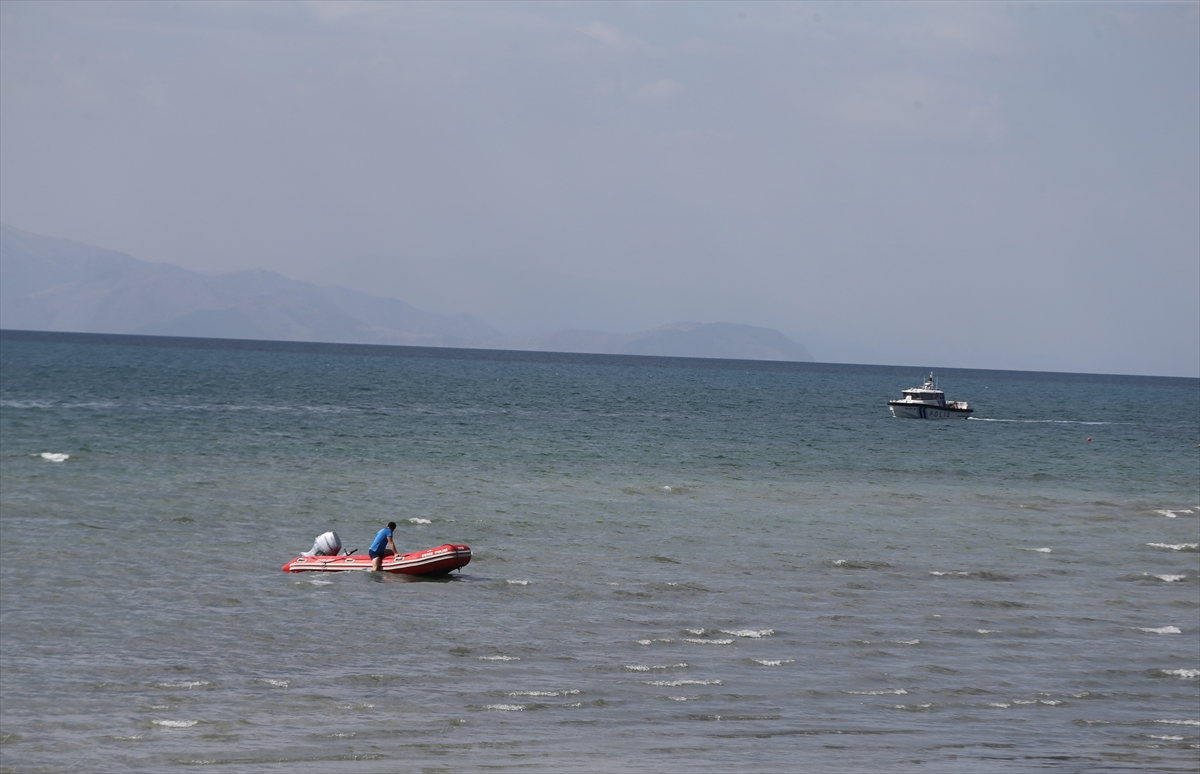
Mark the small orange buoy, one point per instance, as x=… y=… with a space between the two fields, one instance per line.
x=1089 y=438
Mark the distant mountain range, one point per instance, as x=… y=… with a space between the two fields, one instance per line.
x=52 y=284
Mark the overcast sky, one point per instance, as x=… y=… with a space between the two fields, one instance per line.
x=1007 y=185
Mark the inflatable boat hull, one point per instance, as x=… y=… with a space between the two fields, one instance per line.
x=431 y=561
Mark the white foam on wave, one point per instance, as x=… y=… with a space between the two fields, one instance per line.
x=677 y=683
x=1182 y=673
x=907 y=642
x=988 y=631
x=698 y=641
x=1038 y=550
x=655 y=667
x=1166 y=737
x=753 y=634
x=185 y=684
x=951 y=572
x=773 y=661
x=1169 y=578
x=517 y=582
x=1159 y=629
x=418 y=520
x=683 y=698
x=1186 y=722
x=882 y=692
x=176 y=723
x=839 y=562
x=55 y=456
x=1175 y=546
x=277 y=683
x=566 y=692
x=999 y=704
x=1172 y=513
x=696 y=632
x=506 y=707
x=499 y=658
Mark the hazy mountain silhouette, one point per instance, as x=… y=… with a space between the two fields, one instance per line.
x=52 y=284
x=60 y=285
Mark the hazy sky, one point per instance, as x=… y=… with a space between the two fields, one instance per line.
x=1005 y=185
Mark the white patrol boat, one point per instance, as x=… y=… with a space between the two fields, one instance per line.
x=928 y=402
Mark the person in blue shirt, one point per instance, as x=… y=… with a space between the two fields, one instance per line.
x=383 y=546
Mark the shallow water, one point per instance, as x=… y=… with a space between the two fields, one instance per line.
x=678 y=565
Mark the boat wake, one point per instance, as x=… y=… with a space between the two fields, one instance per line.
x=1046 y=421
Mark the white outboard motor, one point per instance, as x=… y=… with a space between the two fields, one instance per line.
x=328 y=544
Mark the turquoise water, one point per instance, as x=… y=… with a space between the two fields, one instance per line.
x=679 y=565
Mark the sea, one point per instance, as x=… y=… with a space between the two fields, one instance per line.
x=679 y=565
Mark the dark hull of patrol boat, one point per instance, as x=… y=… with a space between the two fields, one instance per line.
x=906 y=410
x=439 y=560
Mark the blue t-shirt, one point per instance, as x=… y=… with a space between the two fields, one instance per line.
x=381 y=540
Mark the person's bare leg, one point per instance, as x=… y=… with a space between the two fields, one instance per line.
x=377 y=563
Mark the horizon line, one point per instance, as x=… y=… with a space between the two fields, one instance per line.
x=493 y=353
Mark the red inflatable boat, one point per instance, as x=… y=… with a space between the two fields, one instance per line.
x=431 y=561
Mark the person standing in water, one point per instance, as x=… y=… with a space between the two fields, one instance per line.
x=383 y=546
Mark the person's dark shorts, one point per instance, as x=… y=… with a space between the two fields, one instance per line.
x=378 y=554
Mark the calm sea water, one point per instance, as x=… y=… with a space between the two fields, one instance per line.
x=679 y=565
